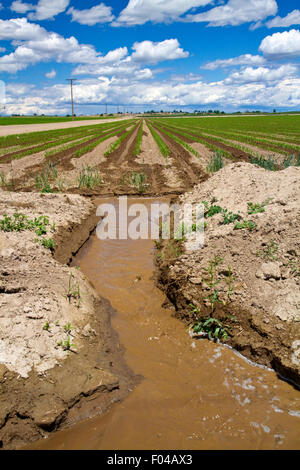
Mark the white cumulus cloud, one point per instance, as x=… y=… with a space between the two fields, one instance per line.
x=51 y=74
x=97 y=14
x=236 y=12
x=48 y=9
x=245 y=59
x=20 y=29
x=262 y=74
x=281 y=45
x=292 y=18
x=35 y=44
x=20 y=7
x=153 y=52
x=157 y=11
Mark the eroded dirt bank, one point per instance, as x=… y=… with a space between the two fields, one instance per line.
x=256 y=269
x=60 y=361
x=194 y=394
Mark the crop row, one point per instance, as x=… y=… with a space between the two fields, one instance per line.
x=72 y=140
x=199 y=131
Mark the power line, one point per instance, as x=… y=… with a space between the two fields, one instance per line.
x=71 y=80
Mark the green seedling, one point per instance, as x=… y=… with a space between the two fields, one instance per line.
x=294 y=266
x=213 y=328
x=212 y=210
x=267 y=164
x=46 y=327
x=138 y=181
x=89 y=178
x=229 y=217
x=2 y=179
x=255 y=208
x=230 y=282
x=245 y=224
x=49 y=244
x=67 y=345
x=68 y=328
x=73 y=292
x=292 y=160
x=212 y=280
x=269 y=251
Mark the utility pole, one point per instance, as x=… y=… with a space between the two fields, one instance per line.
x=71 y=80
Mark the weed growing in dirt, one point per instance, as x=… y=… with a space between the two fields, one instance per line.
x=210 y=211
x=215 y=163
x=20 y=222
x=269 y=251
x=48 y=243
x=2 y=179
x=245 y=224
x=89 y=178
x=267 y=164
x=212 y=328
x=229 y=279
x=229 y=217
x=73 y=292
x=292 y=160
x=255 y=208
x=68 y=328
x=43 y=179
x=212 y=280
x=294 y=266
x=46 y=327
x=138 y=181
x=66 y=344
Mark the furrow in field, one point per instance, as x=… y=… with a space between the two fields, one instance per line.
x=189 y=172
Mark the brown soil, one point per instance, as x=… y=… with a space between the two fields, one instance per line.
x=265 y=300
x=48 y=387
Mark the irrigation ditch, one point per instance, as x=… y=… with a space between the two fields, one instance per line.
x=133 y=360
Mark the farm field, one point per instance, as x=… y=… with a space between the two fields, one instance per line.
x=19 y=120
x=137 y=156
x=241 y=288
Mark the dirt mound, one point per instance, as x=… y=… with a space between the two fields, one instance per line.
x=257 y=240
x=56 y=343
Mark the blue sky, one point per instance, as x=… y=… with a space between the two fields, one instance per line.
x=149 y=54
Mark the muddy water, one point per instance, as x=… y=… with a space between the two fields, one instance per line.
x=195 y=394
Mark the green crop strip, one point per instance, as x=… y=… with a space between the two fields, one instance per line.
x=179 y=141
x=118 y=142
x=164 y=150
x=137 y=149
